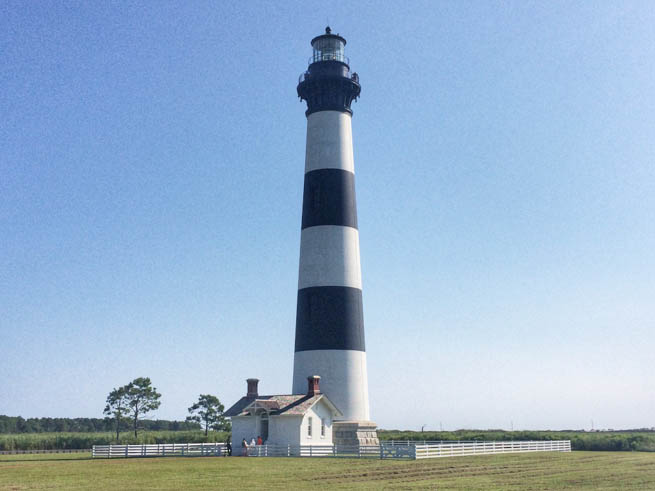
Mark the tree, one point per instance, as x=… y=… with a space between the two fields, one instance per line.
x=208 y=411
x=117 y=406
x=141 y=399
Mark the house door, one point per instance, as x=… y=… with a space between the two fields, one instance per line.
x=264 y=426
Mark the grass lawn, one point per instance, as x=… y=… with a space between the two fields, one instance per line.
x=575 y=470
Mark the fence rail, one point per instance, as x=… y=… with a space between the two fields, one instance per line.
x=272 y=450
x=386 y=450
x=56 y=450
x=159 y=450
x=428 y=451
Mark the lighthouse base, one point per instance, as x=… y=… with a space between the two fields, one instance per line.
x=354 y=433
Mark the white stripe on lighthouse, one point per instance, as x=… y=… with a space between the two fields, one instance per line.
x=329 y=256
x=343 y=379
x=329 y=141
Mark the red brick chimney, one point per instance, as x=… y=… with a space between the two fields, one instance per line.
x=252 y=387
x=312 y=385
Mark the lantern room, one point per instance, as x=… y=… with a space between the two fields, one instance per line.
x=328 y=47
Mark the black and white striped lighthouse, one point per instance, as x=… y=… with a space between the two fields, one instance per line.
x=329 y=318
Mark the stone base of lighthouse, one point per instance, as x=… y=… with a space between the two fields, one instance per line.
x=354 y=433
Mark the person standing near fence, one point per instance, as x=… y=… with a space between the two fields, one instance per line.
x=244 y=448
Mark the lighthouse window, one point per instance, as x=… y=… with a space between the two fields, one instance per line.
x=309 y=427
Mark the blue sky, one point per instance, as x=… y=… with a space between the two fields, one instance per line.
x=151 y=169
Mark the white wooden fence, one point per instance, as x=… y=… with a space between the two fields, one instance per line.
x=408 y=450
x=159 y=450
x=429 y=451
x=39 y=451
x=357 y=451
x=386 y=450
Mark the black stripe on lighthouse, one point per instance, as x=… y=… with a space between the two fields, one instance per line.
x=329 y=317
x=329 y=198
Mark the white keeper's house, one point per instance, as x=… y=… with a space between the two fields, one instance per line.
x=283 y=419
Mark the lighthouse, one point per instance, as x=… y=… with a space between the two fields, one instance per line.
x=329 y=346
x=329 y=319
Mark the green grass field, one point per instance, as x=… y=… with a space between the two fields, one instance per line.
x=575 y=470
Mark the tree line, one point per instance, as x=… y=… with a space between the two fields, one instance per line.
x=132 y=402
x=18 y=424
x=127 y=407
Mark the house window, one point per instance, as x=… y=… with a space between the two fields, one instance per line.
x=309 y=427
x=322 y=428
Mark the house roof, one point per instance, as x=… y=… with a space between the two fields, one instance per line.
x=268 y=404
x=288 y=405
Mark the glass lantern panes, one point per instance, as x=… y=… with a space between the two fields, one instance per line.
x=328 y=49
